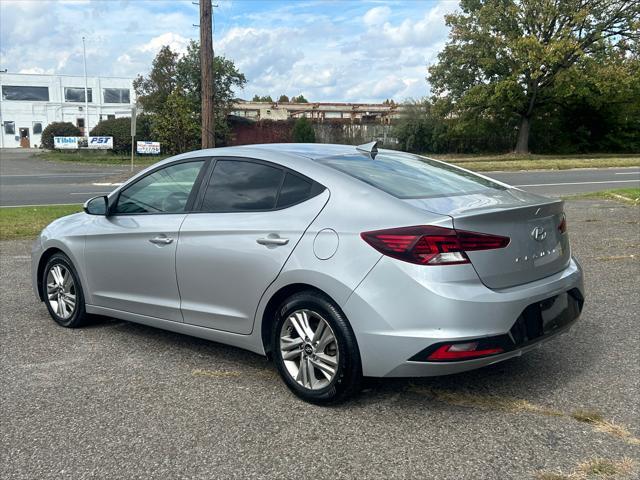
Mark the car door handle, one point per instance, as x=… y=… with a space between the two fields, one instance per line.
x=161 y=240
x=272 y=239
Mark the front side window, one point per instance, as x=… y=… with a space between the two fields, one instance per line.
x=37 y=128
x=25 y=93
x=76 y=94
x=116 y=95
x=164 y=191
x=240 y=186
x=10 y=128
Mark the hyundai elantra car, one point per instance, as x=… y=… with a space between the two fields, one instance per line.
x=336 y=261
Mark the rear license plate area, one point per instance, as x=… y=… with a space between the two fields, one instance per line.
x=546 y=316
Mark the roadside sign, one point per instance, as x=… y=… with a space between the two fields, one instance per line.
x=100 y=143
x=65 y=143
x=149 y=148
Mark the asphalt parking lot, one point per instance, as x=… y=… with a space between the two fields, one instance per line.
x=119 y=400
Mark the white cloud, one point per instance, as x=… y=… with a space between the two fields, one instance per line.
x=176 y=42
x=376 y=16
x=328 y=51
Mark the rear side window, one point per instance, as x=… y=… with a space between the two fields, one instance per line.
x=410 y=176
x=239 y=186
x=294 y=190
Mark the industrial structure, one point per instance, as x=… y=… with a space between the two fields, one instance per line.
x=383 y=113
x=30 y=102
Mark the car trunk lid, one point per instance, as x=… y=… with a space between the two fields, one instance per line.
x=537 y=247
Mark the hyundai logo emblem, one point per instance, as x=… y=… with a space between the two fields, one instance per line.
x=538 y=234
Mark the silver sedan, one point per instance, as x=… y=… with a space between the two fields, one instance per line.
x=336 y=261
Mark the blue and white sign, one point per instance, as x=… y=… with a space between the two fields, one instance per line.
x=148 y=148
x=65 y=143
x=100 y=143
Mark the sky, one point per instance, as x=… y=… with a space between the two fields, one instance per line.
x=327 y=50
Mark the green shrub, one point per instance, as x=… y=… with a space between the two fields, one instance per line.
x=120 y=130
x=303 y=131
x=58 y=129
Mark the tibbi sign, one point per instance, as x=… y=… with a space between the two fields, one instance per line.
x=65 y=142
x=149 y=148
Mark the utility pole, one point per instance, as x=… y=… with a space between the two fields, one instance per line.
x=206 y=75
x=86 y=92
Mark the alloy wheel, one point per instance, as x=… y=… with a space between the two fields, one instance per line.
x=61 y=291
x=309 y=349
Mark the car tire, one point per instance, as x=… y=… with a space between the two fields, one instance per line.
x=315 y=368
x=62 y=292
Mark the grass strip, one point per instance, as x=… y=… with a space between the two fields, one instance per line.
x=630 y=196
x=99 y=158
x=27 y=222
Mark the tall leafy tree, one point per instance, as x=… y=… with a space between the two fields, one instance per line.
x=173 y=74
x=152 y=91
x=226 y=79
x=176 y=126
x=504 y=57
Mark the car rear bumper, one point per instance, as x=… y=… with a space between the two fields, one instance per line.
x=400 y=310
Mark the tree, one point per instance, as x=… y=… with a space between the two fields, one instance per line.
x=303 y=131
x=265 y=98
x=171 y=72
x=58 y=129
x=283 y=99
x=120 y=130
x=299 y=99
x=153 y=91
x=176 y=126
x=504 y=57
x=226 y=79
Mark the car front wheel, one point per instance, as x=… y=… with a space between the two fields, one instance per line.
x=62 y=291
x=315 y=349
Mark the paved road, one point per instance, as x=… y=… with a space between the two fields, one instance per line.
x=566 y=182
x=27 y=180
x=119 y=400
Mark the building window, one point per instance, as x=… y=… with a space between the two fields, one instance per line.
x=24 y=93
x=76 y=94
x=111 y=117
x=116 y=95
x=37 y=128
x=10 y=128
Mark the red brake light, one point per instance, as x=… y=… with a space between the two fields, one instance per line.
x=462 y=351
x=430 y=245
x=562 y=227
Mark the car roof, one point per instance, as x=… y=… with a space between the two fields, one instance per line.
x=312 y=151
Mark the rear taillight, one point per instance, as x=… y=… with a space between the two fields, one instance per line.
x=430 y=245
x=562 y=226
x=461 y=351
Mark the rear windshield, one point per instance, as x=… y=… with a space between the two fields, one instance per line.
x=410 y=176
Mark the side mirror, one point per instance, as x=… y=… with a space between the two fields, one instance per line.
x=96 y=205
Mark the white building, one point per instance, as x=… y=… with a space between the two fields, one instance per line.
x=30 y=102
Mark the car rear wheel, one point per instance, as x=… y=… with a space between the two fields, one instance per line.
x=62 y=292
x=315 y=350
